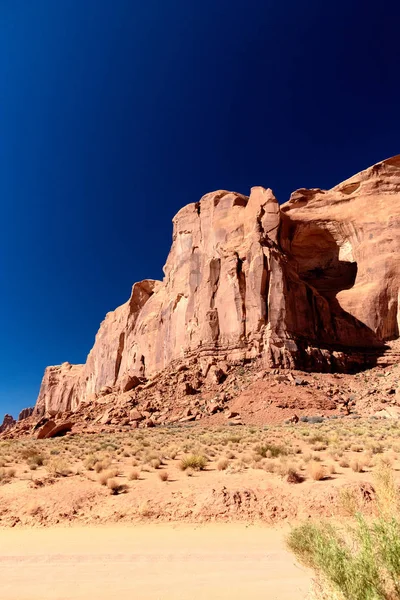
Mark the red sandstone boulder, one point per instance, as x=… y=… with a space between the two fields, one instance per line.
x=60 y=429
x=45 y=429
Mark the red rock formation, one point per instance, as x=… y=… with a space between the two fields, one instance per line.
x=304 y=285
x=8 y=422
x=25 y=413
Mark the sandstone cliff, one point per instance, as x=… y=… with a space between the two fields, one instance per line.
x=312 y=284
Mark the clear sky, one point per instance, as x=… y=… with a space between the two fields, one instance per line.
x=116 y=113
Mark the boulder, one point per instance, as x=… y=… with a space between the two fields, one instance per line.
x=135 y=415
x=45 y=429
x=59 y=429
x=129 y=382
x=106 y=418
x=390 y=412
x=216 y=375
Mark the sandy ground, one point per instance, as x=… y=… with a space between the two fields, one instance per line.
x=162 y=562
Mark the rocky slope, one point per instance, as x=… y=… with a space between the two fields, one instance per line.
x=313 y=284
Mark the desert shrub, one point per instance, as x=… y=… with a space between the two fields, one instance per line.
x=356 y=466
x=90 y=462
x=318 y=438
x=99 y=467
x=134 y=475
x=197 y=462
x=116 y=487
x=356 y=447
x=316 y=471
x=362 y=563
x=58 y=468
x=35 y=459
x=163 y=475
x=29 y=452
x=222 y=464
x=331 y=468
x=172 y=452
x=234 y=439
x=269 y=465
x=387 y=492
x=293 y=476
x=319 y=447
x=106 y=475
x=270 y=451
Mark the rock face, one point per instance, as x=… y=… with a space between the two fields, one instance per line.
x=25 y=413
x=59 y=389
x=8 y=422
x=313 y=284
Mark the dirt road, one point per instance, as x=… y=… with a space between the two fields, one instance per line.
x=155 y=562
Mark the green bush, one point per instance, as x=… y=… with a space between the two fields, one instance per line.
x=271 y=451
x=197 y=462
x=362 y=562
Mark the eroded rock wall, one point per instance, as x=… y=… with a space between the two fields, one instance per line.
x=303 y=285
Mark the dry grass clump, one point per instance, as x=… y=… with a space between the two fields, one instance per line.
x=6 y=474
x=116 y=487
x=387 y=492
x=294 y=476
x=106 y=475
x=58 y=467
x=90 y=462
x=197 y=462
x=269 y=465
x=172 y=452
x=102 y=465
x=163 y=475
x=222 y=464
x=356 y=465
x=134 y=475
x=316 y=471
x=344 y=463
x=356 y=448
x=270 y=450
x=319 y=447
x=34 y=460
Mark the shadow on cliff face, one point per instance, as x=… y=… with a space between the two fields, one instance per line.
x=316 y=255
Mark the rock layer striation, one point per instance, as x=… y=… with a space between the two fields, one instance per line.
x=313 y=284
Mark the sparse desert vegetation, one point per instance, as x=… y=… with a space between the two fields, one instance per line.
x=359 y=560
x=250 y=469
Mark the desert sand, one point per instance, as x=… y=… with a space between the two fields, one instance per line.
x=156 y=562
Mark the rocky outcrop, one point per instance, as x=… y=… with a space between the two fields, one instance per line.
x=25 y=413
x=346 y=242
x=60 y=389
x=8 y=422
x=313 y=284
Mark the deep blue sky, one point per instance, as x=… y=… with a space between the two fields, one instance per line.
x=116 y=113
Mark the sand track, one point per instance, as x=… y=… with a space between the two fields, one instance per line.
x=155 y=562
